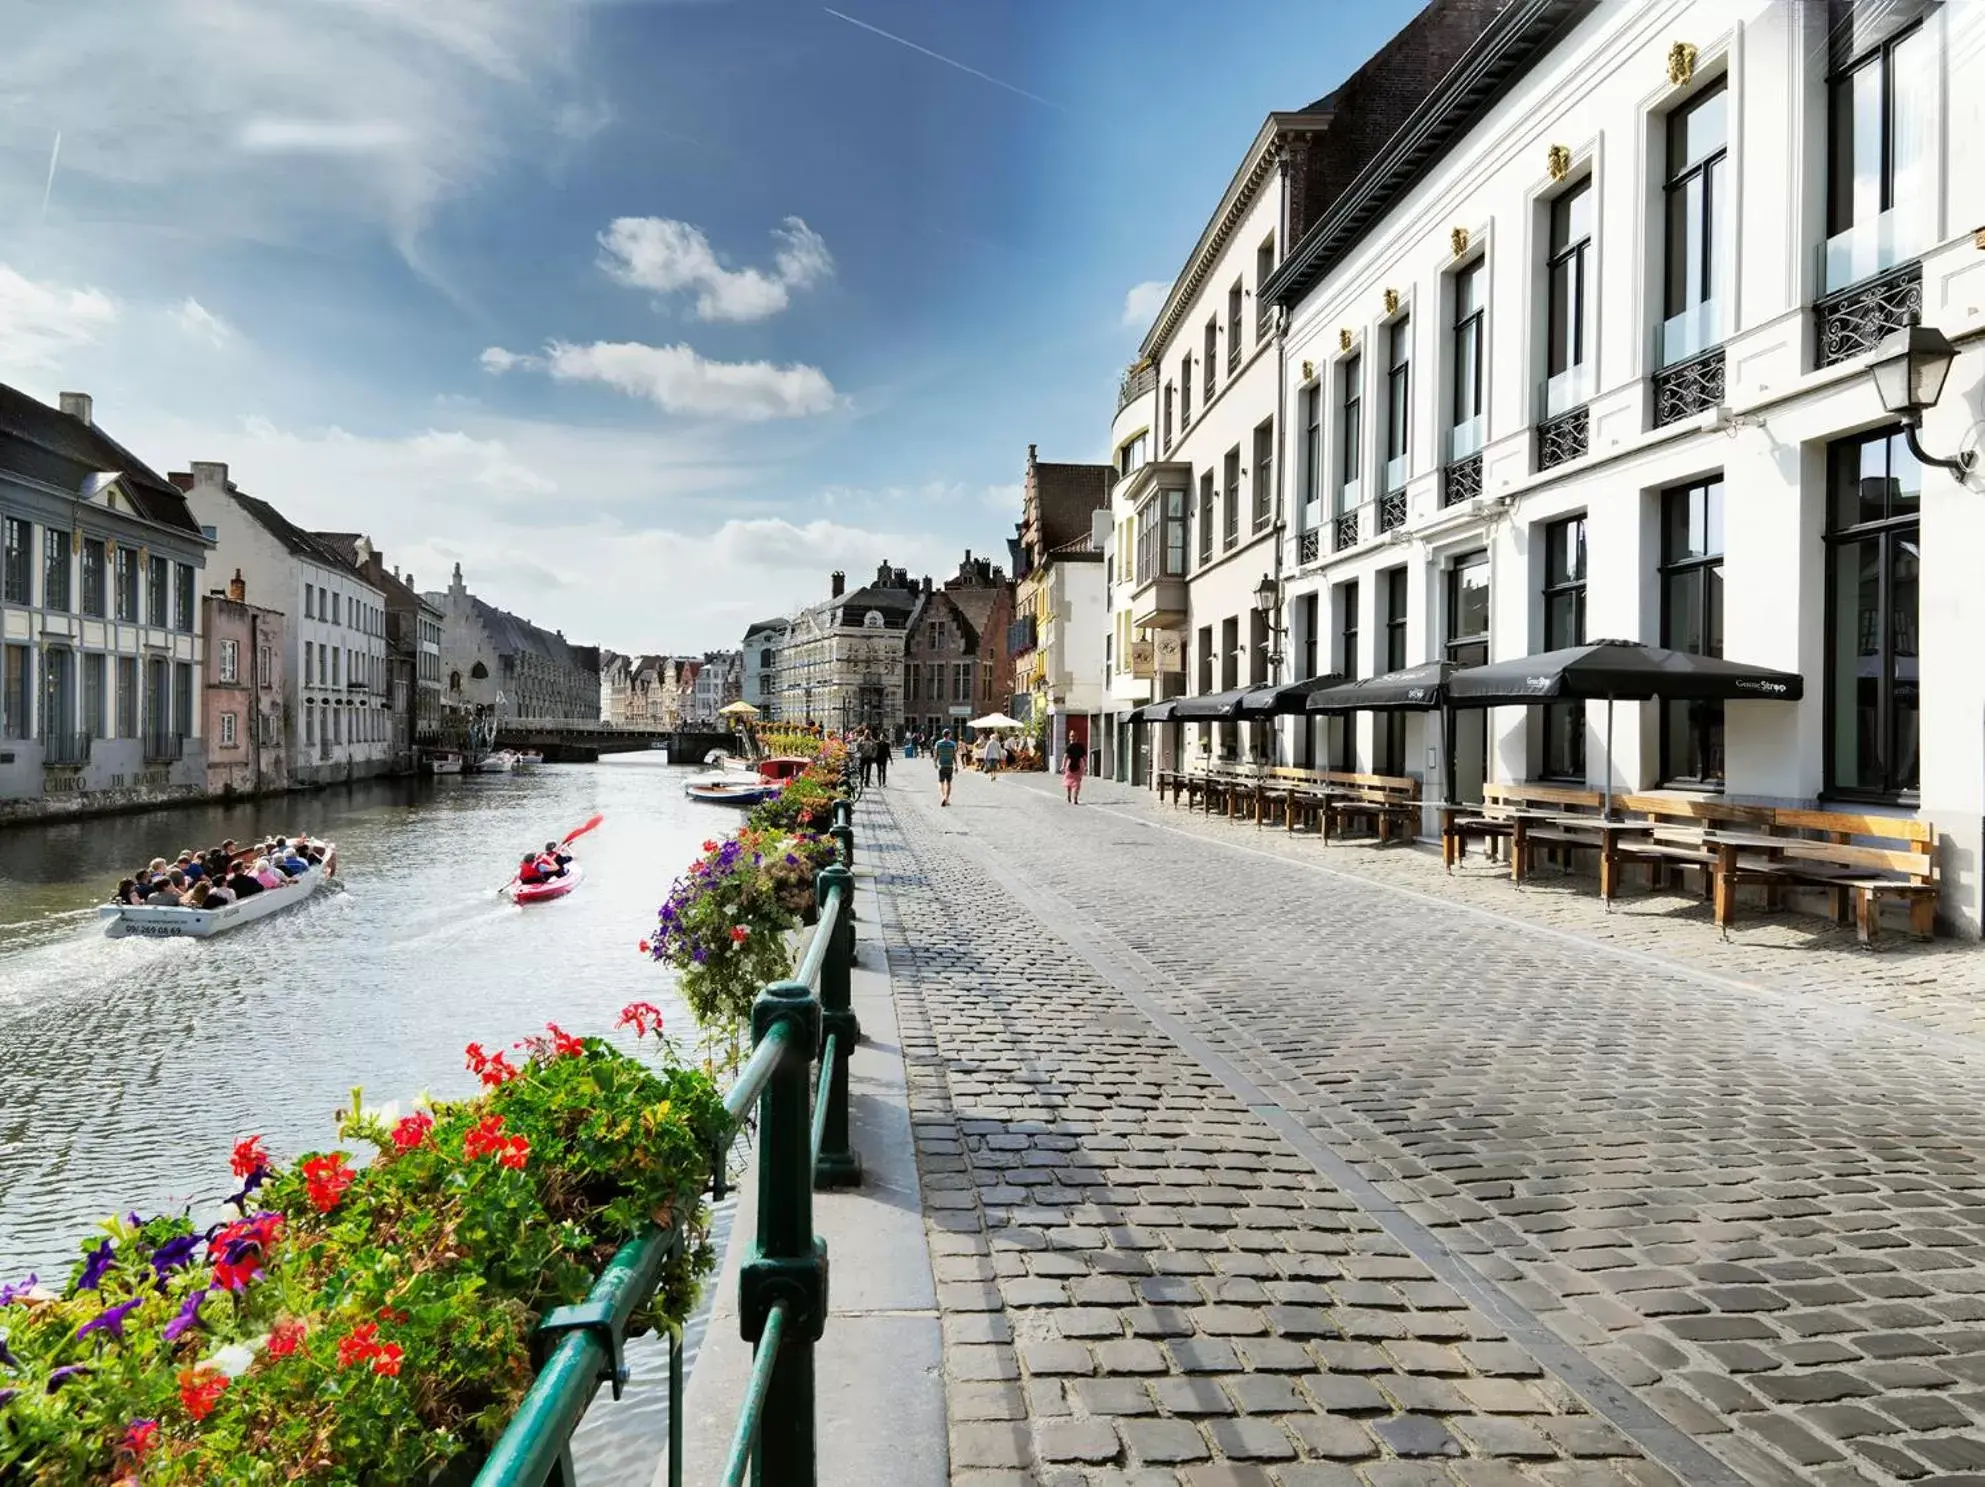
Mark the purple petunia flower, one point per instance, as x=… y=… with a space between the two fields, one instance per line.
x=133 y=1220
x=110 y=1320
x=791 y=860
x=7 y=1394
x=62 y=1375
x=6 y=1355
x=10 y=1293
x=96 y=1266
x=188 y=1315
x=174 y=1254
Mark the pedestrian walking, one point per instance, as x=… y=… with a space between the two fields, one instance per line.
x=882 y=761
x=866 y=747
x=993 y=755
x=944 y=754
x=1072 y=760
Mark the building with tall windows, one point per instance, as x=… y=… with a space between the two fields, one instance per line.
x=1588 y=349
x=841 y=665
x=100 y=619
x=1056 y=640
x=759 y=680
x=1204 y=417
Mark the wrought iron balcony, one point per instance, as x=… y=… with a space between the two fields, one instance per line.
x=65 y=750
x=1344 y=531
x=1858 y=318
x=1461 y=480
x=1563 y=438
x=1135 y=382
x=164 y=748
x=1308 y=545
x=1022 y=635
x=1392 y=509
x=1688 y=388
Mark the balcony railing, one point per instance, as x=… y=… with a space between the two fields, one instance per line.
x=164 y=748
x=65 y=750
x=1688 y=388
x=1022 y=635
x=1392 y=509
x=1461 y=480
x=1860 y=317
x=1565 y=437
x=1135 y=382
x=1308 y=545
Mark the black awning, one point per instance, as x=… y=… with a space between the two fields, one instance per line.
x=1624 y=670
x=1285 y=698
x=1228 y=704
x=1151 y=712
x=1414 y=689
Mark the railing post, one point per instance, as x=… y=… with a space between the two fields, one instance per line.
x=788 y=1263
x=843 y=829
x=838 y=1164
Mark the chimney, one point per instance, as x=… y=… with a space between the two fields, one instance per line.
x=77 y=406
x=207 y=474
x=839 y=584
x=1030 y=456
x=237 y=591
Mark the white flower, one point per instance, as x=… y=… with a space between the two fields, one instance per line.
x=235 y=1359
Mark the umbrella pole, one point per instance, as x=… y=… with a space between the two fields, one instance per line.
x=1447 y=754
x=1609 y=757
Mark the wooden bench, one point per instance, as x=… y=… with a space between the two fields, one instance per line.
x=1334 y=799
x=1677 y=844
x=1500 y=819
x=1859 y=860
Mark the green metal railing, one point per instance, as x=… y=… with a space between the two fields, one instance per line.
x=782 y=1286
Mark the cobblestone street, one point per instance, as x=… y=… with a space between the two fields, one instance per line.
x=1248 y=1160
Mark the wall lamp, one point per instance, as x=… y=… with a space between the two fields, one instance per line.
x=1909 y=369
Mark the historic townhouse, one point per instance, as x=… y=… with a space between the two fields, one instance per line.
x=99 y=618
x=493 y=659
x=1201 y=418
x=759 y=686
x=842 y=663
x=1055 y=640
x=243 y=685
x=955 y=664
x=1602 y=344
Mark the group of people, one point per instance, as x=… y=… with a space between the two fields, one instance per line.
x=220 y=875
x=989 y=753
x=543 y=867
x=871 y=752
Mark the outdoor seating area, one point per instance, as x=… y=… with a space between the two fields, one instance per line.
x=1329 y=802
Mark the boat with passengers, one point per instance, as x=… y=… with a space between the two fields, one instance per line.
x=200 y=896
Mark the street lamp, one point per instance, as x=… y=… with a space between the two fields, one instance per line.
x=1268 y=603
x=1909 y=369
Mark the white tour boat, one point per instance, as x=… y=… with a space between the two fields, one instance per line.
x=501 y=762
x=159 y=921
x=527 y=758
x=447 y=763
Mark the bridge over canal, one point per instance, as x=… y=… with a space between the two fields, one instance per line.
x=583 y=740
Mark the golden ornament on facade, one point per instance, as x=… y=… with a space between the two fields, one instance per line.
x=1458 y=241
x=1392 y=302
x=1344 y=339
x=1309 y=371
x=1558 y=162
x=1681 y=64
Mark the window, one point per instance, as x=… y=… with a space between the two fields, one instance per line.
x=16 y=691
x=1231 y=473
x=1398 y=403
x=182 y=598
x=337 y=610
x=94 y=712
x=1210 y=360
x=1161 y=539
x=1264 y=473
x=961 y=682
x=1564 y=625
x=1312 y=451
x=96 y=600
x=1567 y=349
x=1881 y=139
x=1344 y=726
x=1264 y=270
x=1308 y=618
x=1468 y=610
x=1205 y=659
x=1470 y=315
x=127 y=696
x=227 y=730
x=182 y=698
x=263 y=661
x=1692 y=621
x=1350 y=427
x=1185 y=391
x=1697 y=225
x=127 y=589
x=307 y=677
x=310 y=601
x=54 y=569
x=1873 y=552
x=337 y=660
x=1168 y=418
x=1234 y=297
x=1391 y=725
x=158 y=597
x=310 y=722
x=1136 y=451
x=16 y=581
x=230 y=664
x=1206 y=517
x=1230 y=653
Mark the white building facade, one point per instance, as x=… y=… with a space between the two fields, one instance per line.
x=338 y=700
x=1590 y=360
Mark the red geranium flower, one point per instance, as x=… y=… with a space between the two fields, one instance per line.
x=325 y=1179
x=386 y=1359
x=412 y=1130
x=710 y=846
x=200 y=1390
x=237 y=1250
x=248 y=1157
x=139 y=1435
x=515 y=1150
x=484 y=1138
x=739 y=933
x=563 y=1043
x=285 y=1337
x=640 y=1016
x=358 y=1344
x=643 y=947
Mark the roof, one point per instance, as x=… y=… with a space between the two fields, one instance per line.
x=1514 y=42
x=758 y=627
x=969 y=627
x=514 y=635
x=893 y=604
x=1065 y=497
x=47 y=445
x=300 y=543
x=399 y=593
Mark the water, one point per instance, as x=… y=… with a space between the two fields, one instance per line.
x=128 y=1067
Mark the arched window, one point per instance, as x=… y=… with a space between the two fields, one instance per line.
x=479 y=672
x=454 y=681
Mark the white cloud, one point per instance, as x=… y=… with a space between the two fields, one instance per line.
x=1142 y=304
x=41 y=321
x=196 y=320
x=678 y=380
x=664 y=255
x=321 y=136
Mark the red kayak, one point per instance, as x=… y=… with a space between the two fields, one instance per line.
x=537 y=893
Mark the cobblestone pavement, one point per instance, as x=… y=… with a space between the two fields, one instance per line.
x=1244 y=1170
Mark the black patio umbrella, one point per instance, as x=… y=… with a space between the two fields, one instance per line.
x=1151 y=712
x=1615 y=670
x=1420 y=688
x=1214 y=705
x=1284 y=698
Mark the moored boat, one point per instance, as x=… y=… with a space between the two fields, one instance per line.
x=501 y=762
x=447 y=763
x=161 y=921
x=527 y=758
x=732 y=792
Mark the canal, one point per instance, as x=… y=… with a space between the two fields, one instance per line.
x=128 y=1067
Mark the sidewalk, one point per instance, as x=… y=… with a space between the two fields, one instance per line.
x=1250 y=1161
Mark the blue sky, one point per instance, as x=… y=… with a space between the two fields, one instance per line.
x=648 y=312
